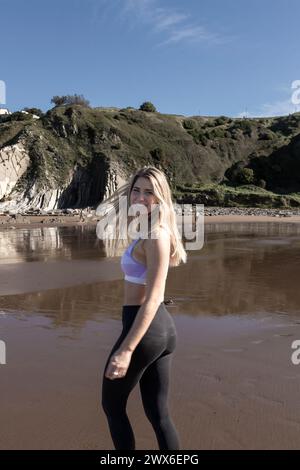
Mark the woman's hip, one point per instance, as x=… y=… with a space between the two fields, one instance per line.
x=162 y=324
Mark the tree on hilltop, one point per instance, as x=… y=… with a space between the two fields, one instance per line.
x=70 y=99
x=148 y=107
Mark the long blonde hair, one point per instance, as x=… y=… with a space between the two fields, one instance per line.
x=110 y=207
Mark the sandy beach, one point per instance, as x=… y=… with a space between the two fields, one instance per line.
x=211 y=214
x=233 y=384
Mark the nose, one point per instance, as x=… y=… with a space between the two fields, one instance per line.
x=141 y=198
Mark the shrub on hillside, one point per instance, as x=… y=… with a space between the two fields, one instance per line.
x=188 y=124
x=148 y=107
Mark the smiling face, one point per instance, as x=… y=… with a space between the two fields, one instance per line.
x=142 y=193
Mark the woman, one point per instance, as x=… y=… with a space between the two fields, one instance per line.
x=144 y=350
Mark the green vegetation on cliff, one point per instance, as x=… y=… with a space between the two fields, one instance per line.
x=215 y=161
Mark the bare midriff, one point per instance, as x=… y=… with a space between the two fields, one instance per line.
x=134 y=294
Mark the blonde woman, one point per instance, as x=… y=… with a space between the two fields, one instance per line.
x=144 y=350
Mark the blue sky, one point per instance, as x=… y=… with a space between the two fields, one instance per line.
x=191 y=57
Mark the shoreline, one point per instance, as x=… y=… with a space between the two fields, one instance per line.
x=211 y=214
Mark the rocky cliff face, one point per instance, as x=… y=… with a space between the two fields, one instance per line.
x=41 y=167
x=14 y=161
x=74 y=156
x=83 y=188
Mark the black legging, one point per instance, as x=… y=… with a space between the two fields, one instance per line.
x=150 y=366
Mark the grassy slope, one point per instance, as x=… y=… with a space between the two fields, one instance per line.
x=194 y=152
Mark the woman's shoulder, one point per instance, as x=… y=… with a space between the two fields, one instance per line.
x=161 y=231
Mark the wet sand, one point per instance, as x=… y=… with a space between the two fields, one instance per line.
x=233 y=384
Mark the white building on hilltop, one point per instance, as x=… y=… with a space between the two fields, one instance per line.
x=4 y=111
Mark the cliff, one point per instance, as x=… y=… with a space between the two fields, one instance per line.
x=74 y=156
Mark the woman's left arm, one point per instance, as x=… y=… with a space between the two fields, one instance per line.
x=157 y=256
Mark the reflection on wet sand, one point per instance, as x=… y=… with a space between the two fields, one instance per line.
x=49 y=243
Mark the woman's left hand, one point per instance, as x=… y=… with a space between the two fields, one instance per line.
x=118 y=364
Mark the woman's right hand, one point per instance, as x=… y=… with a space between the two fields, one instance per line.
x=118 y=364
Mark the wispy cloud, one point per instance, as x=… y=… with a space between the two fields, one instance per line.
x=176 y=26
x=278 y=108
x=192 y=34
x=165 y=20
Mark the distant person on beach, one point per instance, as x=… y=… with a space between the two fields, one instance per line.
x=144 y=350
